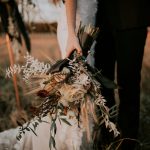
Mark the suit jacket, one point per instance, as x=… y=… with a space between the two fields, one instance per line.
x=123 y=14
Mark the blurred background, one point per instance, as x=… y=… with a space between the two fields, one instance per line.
x=40 y=18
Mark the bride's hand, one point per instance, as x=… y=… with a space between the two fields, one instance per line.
x=73 y=44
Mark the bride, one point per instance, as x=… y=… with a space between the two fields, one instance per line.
x=71 y=12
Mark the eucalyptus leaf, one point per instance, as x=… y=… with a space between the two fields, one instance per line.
x=33 y=131
x=53 y=142
x=65 y=121
x=35 y=124
x=19 y=137
x=27 y=129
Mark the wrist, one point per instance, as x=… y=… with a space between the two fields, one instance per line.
x=71 y=32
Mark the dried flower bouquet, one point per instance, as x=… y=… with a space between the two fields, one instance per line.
x=70 y=90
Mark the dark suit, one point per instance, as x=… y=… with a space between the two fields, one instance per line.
x=122 y=38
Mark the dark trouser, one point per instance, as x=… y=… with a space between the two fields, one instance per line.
x=125 y=47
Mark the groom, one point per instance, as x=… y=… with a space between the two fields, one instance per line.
x=123 y=25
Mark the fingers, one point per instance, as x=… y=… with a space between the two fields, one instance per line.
x=73 y=44
x=79 y=50
x=70 y=51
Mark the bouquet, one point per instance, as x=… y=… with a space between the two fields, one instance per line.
x=69 y=85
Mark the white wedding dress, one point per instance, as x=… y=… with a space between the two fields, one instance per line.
x=86 y=11
x=67 y=137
